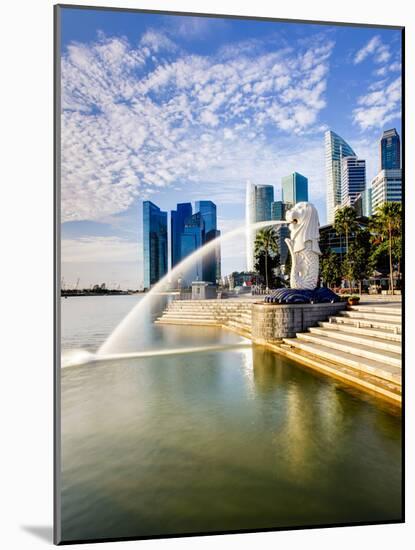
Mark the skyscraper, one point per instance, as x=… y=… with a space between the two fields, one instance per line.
x=353 y=180
x=212 y=260
x=264 y=196
x=191 y=239
x=367 y=202
x=294 y=188
x=154 y=243
x=177 y=221
x=363 y=203
x=207 y=210
x=386 y=187
x=336 y=148
x=278 y=211
x=257 y=209
x=390 y=150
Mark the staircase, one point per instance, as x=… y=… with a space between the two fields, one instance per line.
x=232 y=314
x=360 y=345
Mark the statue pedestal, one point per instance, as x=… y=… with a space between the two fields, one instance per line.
x=272 y=322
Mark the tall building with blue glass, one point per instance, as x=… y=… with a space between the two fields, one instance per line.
x=207 y=210
x=278 y=211
x=258 y=209
x=192 y=238
x=390 y=150
x=336 y=148
x=177 y=222
x=211 y=261
x=353 y=179
x=155 y=259
x=264 y=197
x=294 y=188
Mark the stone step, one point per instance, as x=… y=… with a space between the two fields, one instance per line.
x=221 y=303
x=372 y=316
x=199 y=321
x=376 y=368
x=360 y=350
x=244 y=326
x=190 y=314
x=363 y=380
x=193 y=307
x=377 y=342
x=179 y=321
x=219 y=315
x=242 y=329
x=377 y=309
x=194 y=315
x=392 y=327
x=212 y=311
x=350 y=329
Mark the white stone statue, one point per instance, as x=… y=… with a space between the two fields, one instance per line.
x=303 y=245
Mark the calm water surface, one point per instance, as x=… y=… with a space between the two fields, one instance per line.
x=213 y=441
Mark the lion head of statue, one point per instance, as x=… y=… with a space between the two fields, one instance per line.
x=304 y=226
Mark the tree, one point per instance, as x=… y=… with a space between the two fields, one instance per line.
x=266 y=244
x=397 y=251
x=386 y=226
x=330 y=268
x=345 y=223
x=357 y=264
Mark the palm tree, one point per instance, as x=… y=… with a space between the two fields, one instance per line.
x=386 y=224
x=345 y=223
x=266 y=242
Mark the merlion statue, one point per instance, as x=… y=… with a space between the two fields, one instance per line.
x=303 y=245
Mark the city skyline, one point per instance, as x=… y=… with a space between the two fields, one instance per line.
x=253 y=103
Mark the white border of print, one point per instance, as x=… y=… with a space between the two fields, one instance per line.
x=27 y=264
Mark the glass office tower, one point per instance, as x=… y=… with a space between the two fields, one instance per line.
x=390 y=150
x=264 y=197
x=278 y=211
x=367 y=202
x=154 y=243
x=177 y=221
x=192 y=238
x=386 y=187
x=258 y=209
x=294 y=188
x=336 y=148
x=207 y=210
x=353 y=179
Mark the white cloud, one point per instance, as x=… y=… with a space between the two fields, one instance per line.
x=139 y=118
x=393 y=67
x=191 y=28
x=98 y=249
x=378 y=107
x=375 y=46
x=157 y=41
x=382 y=102
x=368 y=49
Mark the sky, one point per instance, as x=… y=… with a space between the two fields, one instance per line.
x=178 y=109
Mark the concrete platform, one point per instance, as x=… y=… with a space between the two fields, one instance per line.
x=365 y=340
x=360 y=346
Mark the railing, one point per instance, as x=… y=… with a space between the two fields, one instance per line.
x=184 y=295
x=260 y=291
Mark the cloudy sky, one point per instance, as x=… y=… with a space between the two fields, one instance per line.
x=176 y=109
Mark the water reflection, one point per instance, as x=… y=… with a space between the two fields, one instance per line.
x=220 y=441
